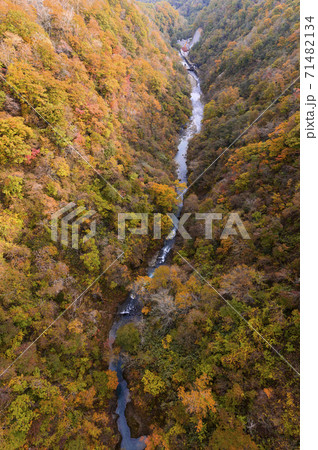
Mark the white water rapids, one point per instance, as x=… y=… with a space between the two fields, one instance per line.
x=130 y=311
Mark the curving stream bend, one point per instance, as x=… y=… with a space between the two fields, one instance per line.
x=130 y=311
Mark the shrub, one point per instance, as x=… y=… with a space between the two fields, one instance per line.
x=128 y=338
x=14 y=137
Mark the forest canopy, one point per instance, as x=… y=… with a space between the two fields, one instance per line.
x=93 y=97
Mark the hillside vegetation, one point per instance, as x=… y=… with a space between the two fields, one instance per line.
x=91 y=102
x=209 y=380
x=187 y=8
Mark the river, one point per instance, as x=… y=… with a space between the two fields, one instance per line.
x=130 y=311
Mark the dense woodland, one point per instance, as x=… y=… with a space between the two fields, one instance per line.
x=186 y=8
x=114 y=92
x=103 y=74
x=209 y=380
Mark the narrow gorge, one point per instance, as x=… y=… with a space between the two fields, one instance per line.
x=130 y=311
x=169 y=343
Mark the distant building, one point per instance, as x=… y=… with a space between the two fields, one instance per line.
x=185 y=48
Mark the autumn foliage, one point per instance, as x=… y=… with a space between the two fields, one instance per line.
x=87 y=88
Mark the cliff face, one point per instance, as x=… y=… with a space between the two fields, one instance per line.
x=91 y=102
